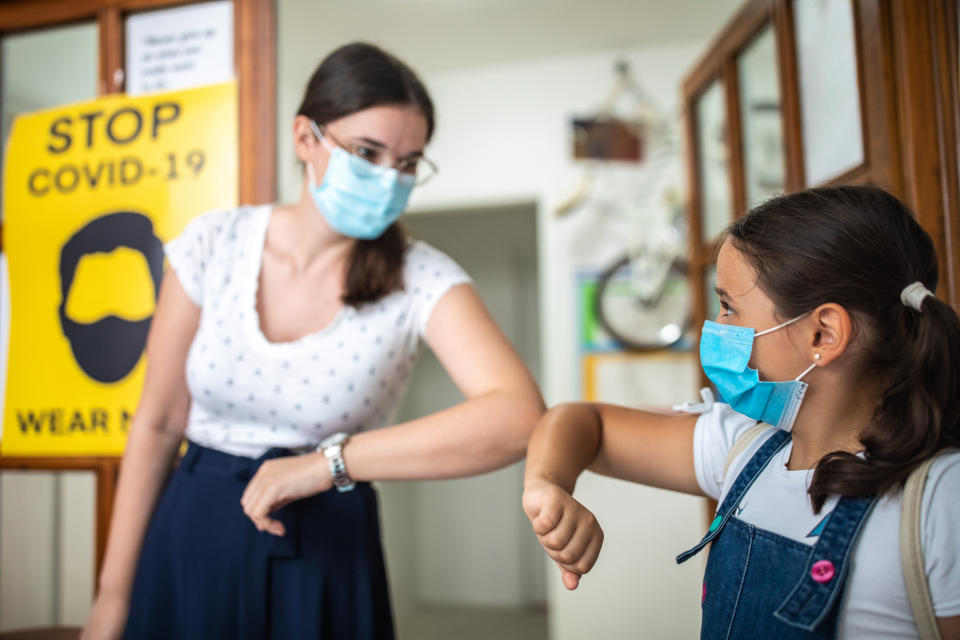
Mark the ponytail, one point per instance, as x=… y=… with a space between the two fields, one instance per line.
x=376 y=267
x=918 y=414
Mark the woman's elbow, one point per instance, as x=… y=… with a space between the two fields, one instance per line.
x=526 y=413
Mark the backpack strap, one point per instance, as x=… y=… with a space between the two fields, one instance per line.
x=743 y=442
x=911 y=553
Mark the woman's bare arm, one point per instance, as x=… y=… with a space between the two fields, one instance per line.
x=486 y=431
x=154 y=438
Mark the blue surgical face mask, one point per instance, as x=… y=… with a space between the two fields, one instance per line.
x=724 y=355
x=358 y=198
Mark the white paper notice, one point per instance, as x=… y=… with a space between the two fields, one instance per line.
x=179 y=48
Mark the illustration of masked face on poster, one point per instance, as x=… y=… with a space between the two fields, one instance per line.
x=108 y=347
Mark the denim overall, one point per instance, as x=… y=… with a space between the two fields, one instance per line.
x=759 y=584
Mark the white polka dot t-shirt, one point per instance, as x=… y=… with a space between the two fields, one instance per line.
x=250 y=394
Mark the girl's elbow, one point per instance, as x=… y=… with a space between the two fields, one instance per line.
x=565 y=411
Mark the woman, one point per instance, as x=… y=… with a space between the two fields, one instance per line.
x=281 y=327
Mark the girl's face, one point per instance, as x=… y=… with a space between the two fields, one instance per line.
x=387 y=135
x=776 y=355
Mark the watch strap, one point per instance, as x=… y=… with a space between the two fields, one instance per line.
x=332 y=449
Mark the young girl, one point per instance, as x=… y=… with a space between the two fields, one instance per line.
x=829 y=290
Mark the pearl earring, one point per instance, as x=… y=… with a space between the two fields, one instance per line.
x=816 y=356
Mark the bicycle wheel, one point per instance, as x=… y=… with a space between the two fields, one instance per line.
x=644 y=312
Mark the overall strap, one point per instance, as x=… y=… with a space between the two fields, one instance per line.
x=911 y=553
x=751 y=471
x=827 y=565
x=743 y=443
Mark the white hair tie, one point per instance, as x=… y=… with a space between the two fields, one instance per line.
x=913 y=295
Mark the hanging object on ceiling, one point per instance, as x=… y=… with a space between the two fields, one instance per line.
x=617 y=131
x=627 y=129
x=606 y=138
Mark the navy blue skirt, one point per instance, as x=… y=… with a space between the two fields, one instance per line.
x=205 y=572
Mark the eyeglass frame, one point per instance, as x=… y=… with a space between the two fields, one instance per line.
x=393 y=165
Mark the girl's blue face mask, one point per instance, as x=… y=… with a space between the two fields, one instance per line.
x=358 y=198
x=724 y=355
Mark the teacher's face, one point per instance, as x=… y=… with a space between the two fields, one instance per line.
x=386 y=135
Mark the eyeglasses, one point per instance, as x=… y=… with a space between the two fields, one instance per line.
x=421 y=167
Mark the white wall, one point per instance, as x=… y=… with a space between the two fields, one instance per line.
x=504 y=135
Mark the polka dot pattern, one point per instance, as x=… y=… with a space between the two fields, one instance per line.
x=249 y=394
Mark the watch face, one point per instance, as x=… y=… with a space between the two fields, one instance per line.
x=332 y=452
x=337 y=438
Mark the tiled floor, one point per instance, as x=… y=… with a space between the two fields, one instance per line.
x=463 y=623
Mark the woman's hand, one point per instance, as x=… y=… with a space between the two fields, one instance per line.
x=567 y=531
x=107 y=617
x=279 y=482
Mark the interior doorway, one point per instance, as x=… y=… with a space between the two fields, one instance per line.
x=461 y=557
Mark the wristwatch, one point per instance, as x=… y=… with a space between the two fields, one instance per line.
x=332 y=449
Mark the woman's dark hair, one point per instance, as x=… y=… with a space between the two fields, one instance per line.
x=358 y=76
x=859 y=247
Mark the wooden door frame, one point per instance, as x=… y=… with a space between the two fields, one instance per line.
x=925 y=60
x=909 y=88
x=255 y=71
x=907 y=77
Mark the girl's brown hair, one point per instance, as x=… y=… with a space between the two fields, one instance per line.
x=859 y=247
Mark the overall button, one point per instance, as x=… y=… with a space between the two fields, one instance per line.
x=822 y=571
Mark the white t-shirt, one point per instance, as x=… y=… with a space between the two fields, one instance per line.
x=875 y=601
x=249 y=394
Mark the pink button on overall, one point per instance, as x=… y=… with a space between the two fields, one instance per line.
x=822 y=571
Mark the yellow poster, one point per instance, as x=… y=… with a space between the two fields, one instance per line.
x=91 y=193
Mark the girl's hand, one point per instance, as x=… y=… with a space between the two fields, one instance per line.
x=567 y=531
x=279 y=482
x=107 y=618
